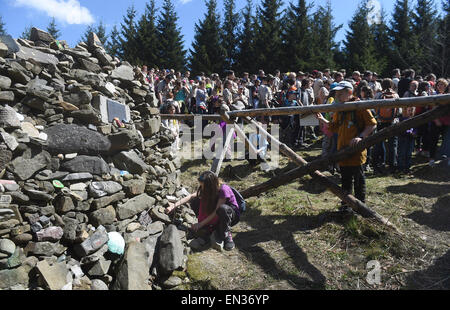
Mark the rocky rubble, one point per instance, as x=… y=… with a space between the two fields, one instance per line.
x=86 y=172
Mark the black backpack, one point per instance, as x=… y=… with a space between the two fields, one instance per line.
x=239 y=199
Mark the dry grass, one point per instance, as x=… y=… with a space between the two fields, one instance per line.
x=294 y=238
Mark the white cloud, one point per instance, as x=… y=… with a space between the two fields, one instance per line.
x=374 y=16
x=185 y=1
x=69 y=11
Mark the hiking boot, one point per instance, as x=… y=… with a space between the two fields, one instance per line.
x=346 y=209
x=229 y=244
x=198 y=244
x=216 y=242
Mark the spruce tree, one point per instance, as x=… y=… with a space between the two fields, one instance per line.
x=207 y=54
x=128 y=39
x=113 y=45
x=402 y=35
x=359 y=44
x=296 y=37
x=323 y=43
x=2 y=26
x=171 y=53
x=268 y=36
x=442 y=55
x=230 y=30
x=26 y=34
x=246 y=48
x=425 y=22
x=53 y=30
x=383 y=45
x=148 y=36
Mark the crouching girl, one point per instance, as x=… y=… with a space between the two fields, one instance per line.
x=217 y=211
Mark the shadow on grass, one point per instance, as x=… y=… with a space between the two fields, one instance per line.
x=266 y=231
x=435 y=277
x=438 y=218
x=421 y=189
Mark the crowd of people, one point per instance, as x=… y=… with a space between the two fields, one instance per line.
x=180 y=93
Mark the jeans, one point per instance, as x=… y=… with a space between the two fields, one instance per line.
x=383 y=150
x=405 y=150
x=445 y=149
x=435 y=133
x=228 y=217
x=353 y=176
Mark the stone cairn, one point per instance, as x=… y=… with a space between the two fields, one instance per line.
x=86 y=171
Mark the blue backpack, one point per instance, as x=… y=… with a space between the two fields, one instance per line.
x=240 y=200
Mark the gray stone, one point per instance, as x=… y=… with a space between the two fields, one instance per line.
x=3 y=50
x=5 y=82
x=105 y=201
x=155 y=228
x=91 y=164
x=77 y=177
x=63 y=204
x=25 y=168
x=149 y=127
x=6 y=96
x=70 y=229
x=133 y=271
x=7 y=246
x=93 y=243
x=79 y=97
x=131 y=162
x=18 y=74
x=35 y=103
x=158 y=214
x=54 y=277
x=135 y=206
x=172 y=282
x=124 y=140
x=44 y=249
x=123 y=73
x=8 y=118
x=99 y=268
x=10 y=141
x=76 y=139
x=171 y=250
x=105 y=188
x=103 y=216
x=52 y=234
x=39 y=195
x=27 y=53
x=13 y=277
x=98 y=285
x=41 y=35
x=5 y=158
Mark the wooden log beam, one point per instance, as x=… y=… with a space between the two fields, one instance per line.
x=181 y=117
x=354 y=203
x=320 y=163
x=349 y=106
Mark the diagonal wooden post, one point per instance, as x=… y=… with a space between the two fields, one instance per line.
x=320 y=163
x=354 y=203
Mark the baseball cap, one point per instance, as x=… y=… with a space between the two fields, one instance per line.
x=342 y=85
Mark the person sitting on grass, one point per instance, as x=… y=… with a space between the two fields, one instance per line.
x=217 y=211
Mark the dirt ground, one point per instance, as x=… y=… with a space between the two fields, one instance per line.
x=294 y=238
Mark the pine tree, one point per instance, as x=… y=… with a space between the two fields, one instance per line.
x=207 y=54
x=443 y=42
x=359 y=44
x=402 y=35
x=246 y=48
x=383 y=45
x=296 y=37
x=2 y=26
x=99 y=30
x=26 y=34
x=230 y=30
x=425 y=22
x=128 y=39
x=171 y=53
x=113 y=45
x=148 y=36
x=323 y=43
x=268 y=35
x=53 y=30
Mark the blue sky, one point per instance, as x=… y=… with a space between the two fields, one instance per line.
x=73 y=16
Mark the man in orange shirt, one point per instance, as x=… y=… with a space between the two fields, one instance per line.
x=351 y=127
